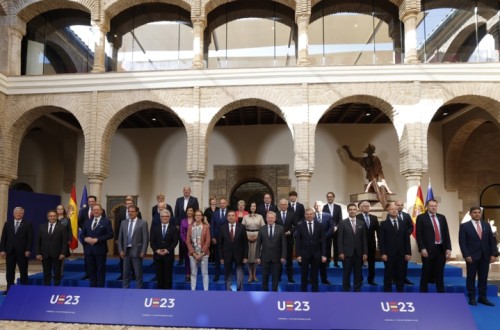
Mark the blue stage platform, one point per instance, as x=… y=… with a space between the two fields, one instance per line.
x=73 y=272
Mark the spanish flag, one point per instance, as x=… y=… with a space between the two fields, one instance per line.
x=73 y=217
x=418 y=208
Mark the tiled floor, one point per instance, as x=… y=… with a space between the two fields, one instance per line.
x=35 y=267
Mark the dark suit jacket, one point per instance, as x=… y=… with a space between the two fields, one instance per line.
x=307 y=246
x=233 y=250
x=140 y=238
x=394 y=241
x=337 y=213
x=169 y=242
x=271 y=249
x=408 y=223
x=216 y=223
x=350 y=242
x=327 y=222
x=83 y=216
x=52 y=245
x=425 y=232
x=154 y=211
x=300 y=211
x=372 y=231
x=103 y=232
x=120 y=215
x=472 y=246
x=261 y=209
x=179 y=213
x=16 y=243
x=290 y=222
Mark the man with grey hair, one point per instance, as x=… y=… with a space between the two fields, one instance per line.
x=16 y=243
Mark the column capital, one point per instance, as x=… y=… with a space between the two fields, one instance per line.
x=409 y=8
x=412 y=174
x=305 y=173
x=96 y=177
x=196 y=175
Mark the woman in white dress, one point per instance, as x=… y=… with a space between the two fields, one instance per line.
x=252 y=222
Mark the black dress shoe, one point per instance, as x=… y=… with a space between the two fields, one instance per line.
x=85 y=277
x=372 y=283
x=326 y=282
x=216 y=278
x=408 y=282
x=472 y=301
x=485 y=301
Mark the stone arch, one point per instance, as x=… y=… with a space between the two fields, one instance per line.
x=484 y=96
x=19 y=126
x=26 y=10
x=244 y=103
x=115 y=7
x=461 y=40
x=487 y=8
x=113 y=120
x=211 y=5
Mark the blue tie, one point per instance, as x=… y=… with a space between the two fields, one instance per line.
x=129 y=233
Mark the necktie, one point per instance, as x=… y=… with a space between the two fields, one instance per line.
x=222 y=213
x=283 y=216
x=129 y=233
x=395 y=223
x=271 y=231
x=164 y=231
x=51 y=229
x=331 y=209
x=400 y=216
x=437 y=235
x=319 y=217
x=94 y=224
x=16 y=226
x=293 y=206
x=232 y=232
x=267 y=207
x=353 y=224
x=367 y=220
x=310 y=228
x=479 y=229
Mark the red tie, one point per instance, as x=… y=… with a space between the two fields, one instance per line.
x=437 y=236
x=479 y=229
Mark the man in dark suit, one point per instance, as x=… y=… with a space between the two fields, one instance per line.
x=395 y=249
x=156 y=209
x=133 y=242
x=271 y=251
x=372 y=226
x=335 y=212
x=121 y=214
x=288 y=218
x=95 y=234
x=16 y=243
x=353 y=248
x=326 y=220
x=233 y=250
x=51 y=248
x=479 y=249
x=85 y=214
x=219 y=218
x=408 y=222
x=181 y=205
x=433 y=239
x=310 y=249
x=295 y=206
x=266 y=206
x=164 y=238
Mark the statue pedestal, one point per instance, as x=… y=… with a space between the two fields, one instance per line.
x=376 y=208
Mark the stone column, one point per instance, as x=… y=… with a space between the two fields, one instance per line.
x=4 y=198
x=303 y=185
x=303 y=40
x=196 y=180
x=10 y=51
x=409 y=18
x=95 y=186
x=198 y=32
x=99 y=51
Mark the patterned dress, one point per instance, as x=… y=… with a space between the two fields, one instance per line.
x=252 y=224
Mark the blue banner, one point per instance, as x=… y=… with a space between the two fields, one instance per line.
x=218 y=309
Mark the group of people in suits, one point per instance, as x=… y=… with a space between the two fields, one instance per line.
x=288 y=227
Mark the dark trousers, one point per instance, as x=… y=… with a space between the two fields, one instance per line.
x=164 y=266
x=51 y=266
x=433 y=267
x=185 y=256
x=13 y=259
x=96 y=268
x=371 y=264
x=324 y=265
x=480 y=268
x=335 y=248
x=216 y=261
x=394 y=269
x=309 y=269
x=273 y=269
x=352 y=265
x=289 y=256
